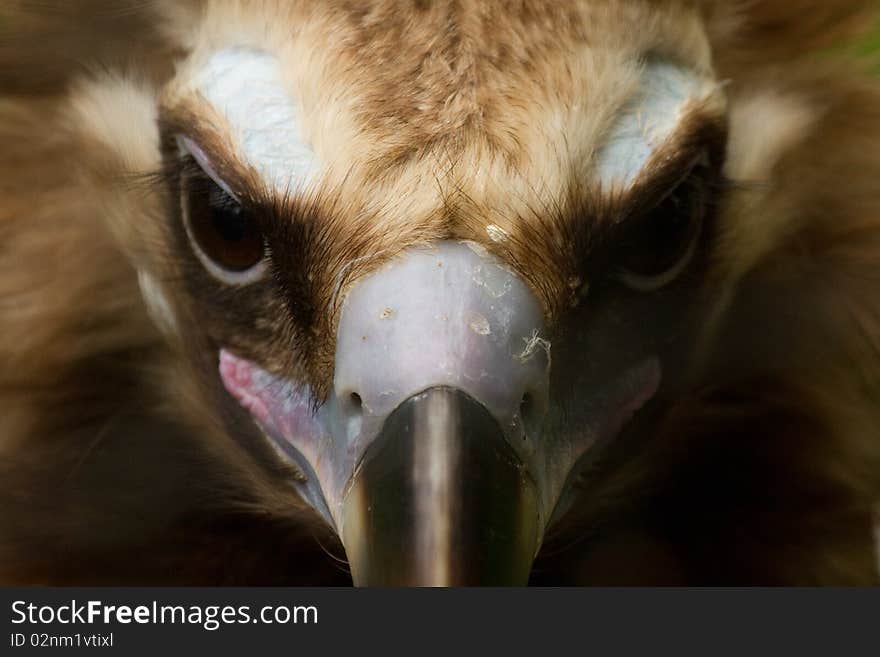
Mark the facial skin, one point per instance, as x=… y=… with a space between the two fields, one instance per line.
x=488 y=296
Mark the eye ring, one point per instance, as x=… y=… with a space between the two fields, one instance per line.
x=222 y=236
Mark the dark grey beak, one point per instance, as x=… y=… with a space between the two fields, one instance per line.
x=441 y=499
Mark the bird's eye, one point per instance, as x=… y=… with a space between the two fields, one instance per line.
x=225 y=238
x=659 y=246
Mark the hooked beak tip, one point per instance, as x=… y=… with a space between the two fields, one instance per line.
x=440 y=499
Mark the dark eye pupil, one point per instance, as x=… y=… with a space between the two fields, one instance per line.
x=221 y=227
x=228 y=217
x=662 y=239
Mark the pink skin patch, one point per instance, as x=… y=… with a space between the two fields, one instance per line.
x=281 y=408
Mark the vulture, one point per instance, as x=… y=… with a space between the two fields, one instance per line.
x=434 y=292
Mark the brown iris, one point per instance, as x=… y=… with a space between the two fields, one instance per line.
x=221 y=227
x=660 y=243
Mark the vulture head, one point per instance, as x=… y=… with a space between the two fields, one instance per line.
x=426 y=262
x=433 y=259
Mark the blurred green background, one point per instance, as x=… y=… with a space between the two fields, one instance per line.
x=870 y=46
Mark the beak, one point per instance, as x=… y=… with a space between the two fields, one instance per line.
x=433 y=364
x=441 y=499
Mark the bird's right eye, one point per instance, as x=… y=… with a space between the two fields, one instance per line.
x=226 y=239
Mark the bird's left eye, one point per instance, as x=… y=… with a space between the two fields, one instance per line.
x=226 y=239
x=661 y=244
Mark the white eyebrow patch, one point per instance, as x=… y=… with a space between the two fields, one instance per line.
x=646 y=121
x=247 y=87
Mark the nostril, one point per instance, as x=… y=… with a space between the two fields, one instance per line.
x=353 y=411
